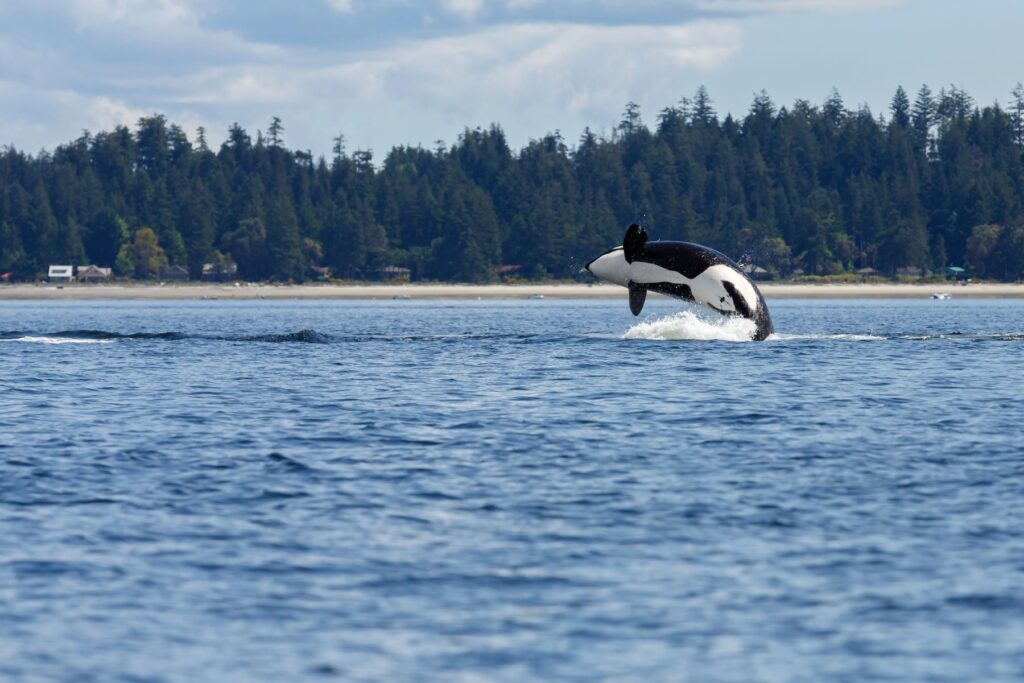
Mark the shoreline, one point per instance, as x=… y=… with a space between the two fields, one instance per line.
x=93 y=292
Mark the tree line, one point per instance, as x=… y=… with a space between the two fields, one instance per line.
x=814 y=189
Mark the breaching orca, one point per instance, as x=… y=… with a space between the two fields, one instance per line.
x=687 y=271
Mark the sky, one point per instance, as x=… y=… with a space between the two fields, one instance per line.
x=408 y=72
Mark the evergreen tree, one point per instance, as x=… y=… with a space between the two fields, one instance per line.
x=821 y=189
x=900 y=108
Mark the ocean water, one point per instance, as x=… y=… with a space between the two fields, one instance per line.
x=511 y=491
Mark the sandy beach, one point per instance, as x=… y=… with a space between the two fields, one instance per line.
x=454 y=291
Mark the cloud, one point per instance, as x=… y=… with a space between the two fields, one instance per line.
x=342 y=6
x=149 y=16
x=577 y=68
x=466 y=9
x=33 y=114
x=755 y=6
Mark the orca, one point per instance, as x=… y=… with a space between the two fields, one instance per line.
x=683 y=270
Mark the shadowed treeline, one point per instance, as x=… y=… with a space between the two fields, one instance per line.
x=820 y=189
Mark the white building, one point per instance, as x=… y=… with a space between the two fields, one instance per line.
x=61 y=274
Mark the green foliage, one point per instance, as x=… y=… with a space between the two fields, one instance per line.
x=142 y=258
x=818 y=189
x=996 y=251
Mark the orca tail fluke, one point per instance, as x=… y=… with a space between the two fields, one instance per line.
x=637 y=297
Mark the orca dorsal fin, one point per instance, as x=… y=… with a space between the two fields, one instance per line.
x=637 y=297
x=634 y=241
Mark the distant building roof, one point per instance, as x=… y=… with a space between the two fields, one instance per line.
x=175 y=272
x=504 y=270
x=60 y=271
x=220 y=268
x=93 y=271
x=866 y=271
x=394 y=271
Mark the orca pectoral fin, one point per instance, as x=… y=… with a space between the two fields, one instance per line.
x=738 y=302
x=637 y=297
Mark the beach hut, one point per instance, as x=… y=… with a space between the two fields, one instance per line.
x=756 y=272
x=221 y=270
x=394 y=273
x=176 y=273
x=61 y=274
x=93 y=273
x=507 y=271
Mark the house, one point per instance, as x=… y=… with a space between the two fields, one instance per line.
x=222 y=270
x=347 y=273
x=61 y=274
x=93 y=273
x=909 y=271
x=507 y=271
x=394 y=273
x=866 y=272
x=176 y=272
x=756 y=272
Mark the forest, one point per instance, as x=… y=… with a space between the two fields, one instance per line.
x=934 y=181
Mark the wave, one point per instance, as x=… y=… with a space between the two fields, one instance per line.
x=680 y=326
x=687 y=325
x=300 y=337
x=952 y=337
x=105 y=337
x=32 y=339
x=838 y=337
x=690 y=326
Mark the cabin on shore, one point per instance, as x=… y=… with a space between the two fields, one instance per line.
x=93 y=273
x=61 y=274
x=394 y=273
x=508 y=271
x=955 y=273
x=220 y=271
x=176 y=273
x=756 y=272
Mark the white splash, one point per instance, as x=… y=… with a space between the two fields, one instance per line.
x=58 y=340
x=688 y=325
x=839 y=337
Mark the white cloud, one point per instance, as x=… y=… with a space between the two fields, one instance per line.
x=170 y=31
x=37 y=114
x=754 y=6
x=146 y=14
x=572 y=67
x=343 y=6
x=466 y=9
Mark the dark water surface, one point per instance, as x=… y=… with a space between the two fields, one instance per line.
x=506 y=491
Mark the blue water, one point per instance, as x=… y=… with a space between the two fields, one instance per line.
x=510 y=490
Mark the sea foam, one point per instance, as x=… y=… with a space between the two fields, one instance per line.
x=687 y=325
x=57 y=340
